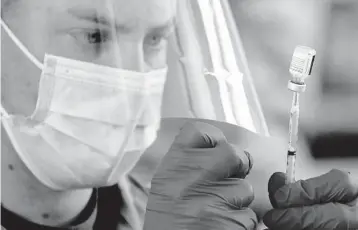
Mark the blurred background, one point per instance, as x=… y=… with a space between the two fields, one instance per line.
x=270 y=30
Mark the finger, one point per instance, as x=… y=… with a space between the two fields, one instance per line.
x=245 y=162
x=198 y=135
x=229 y=193
x=203 y=135
x=326 y=216
x=191 y=160
x=203 y=146
x=213 y=218
x=229 y=161
x=276 y=181
x=188 y=158
x=334 y=186
x=226 y=161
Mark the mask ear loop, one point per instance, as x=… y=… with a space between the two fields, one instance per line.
x=21 y=46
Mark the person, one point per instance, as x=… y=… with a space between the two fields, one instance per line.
x=82 y=83
x=75 y=125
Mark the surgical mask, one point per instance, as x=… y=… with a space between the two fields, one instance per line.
x=91 y=123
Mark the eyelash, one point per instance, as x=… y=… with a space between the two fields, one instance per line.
x=99 y=36
x=155 y=40
x=159 y=38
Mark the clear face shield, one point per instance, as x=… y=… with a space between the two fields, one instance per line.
x=98 y=70
x=208 y=74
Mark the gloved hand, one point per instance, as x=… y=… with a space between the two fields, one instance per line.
x=199 y=184
x=325 y=202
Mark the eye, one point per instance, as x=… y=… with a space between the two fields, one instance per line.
x=91 y=36
x=155 y=40
x=96 y=37
x=91 y=41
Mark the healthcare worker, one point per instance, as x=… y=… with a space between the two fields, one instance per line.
x=82 y=83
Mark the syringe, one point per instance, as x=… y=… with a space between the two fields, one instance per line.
x=300 y=68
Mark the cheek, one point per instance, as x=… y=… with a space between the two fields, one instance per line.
x=20 y=77
x=156 y=59
x=19 y=92
x=19 y=81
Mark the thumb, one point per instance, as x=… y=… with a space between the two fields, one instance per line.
x=198 y=135
x=276 y=181
x=335 y=186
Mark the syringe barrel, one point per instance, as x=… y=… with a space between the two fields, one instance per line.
x=290 y=170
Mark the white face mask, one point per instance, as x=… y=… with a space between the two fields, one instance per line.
x=91 y=123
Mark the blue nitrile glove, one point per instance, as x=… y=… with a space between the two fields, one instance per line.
x=323 y=203
x=199 y=184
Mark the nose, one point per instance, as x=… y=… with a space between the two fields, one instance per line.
x=129 y=56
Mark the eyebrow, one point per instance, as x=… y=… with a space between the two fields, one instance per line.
x=92 y=16
x=168 y=25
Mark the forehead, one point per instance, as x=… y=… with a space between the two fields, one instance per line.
x=122 y=12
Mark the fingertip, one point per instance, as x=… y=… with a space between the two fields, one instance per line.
x=251 y=161
x=276 y=182
x=241 y=162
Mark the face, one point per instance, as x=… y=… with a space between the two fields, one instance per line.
x=118 y=33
